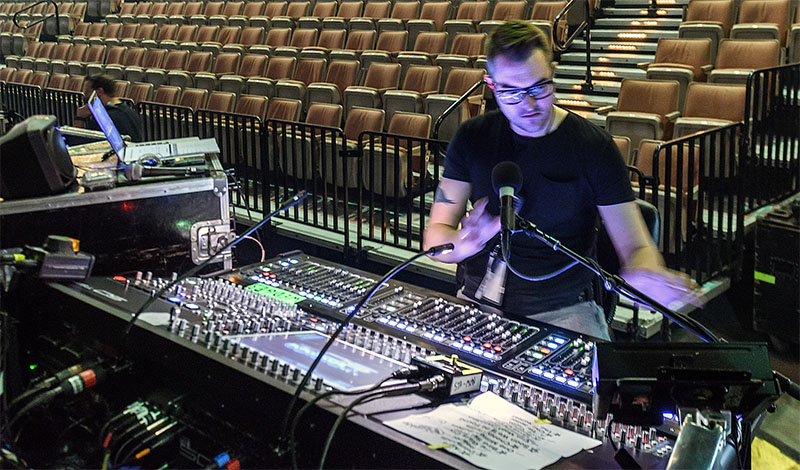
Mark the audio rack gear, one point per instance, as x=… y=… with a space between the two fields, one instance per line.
x=543 y=369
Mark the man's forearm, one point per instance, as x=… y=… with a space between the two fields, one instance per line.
x=439 y=234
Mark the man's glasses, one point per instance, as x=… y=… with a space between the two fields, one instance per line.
x=536 y=91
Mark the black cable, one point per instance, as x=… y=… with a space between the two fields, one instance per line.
x=394 y=390
x=287 y=204
x=156 y=436
x=609 y=436
x=152 y=427
x=39 y=400
x=302 y=385
x=292 y=430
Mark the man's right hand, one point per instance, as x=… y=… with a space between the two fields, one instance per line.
x=478 y=227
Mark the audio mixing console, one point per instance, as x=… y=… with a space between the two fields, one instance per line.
x=255 y=317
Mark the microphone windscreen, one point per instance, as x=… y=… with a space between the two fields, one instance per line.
x=133 y=172
x=507 y=174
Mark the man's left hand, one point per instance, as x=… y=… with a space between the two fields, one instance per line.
x=671 y=289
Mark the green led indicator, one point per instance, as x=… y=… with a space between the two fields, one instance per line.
x=274 y=293
x=33 y=366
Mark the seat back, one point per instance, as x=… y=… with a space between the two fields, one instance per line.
x=363 y=119
x=192 y=9
x=58 y=81
x=121 y=88
x=324 y=9
x=304 y=38
x=504 y=11
x=343 y=73
x=350 y=9
x=747 y=54
x=648 y=96
x=297 y=9
x=252 y=35
x=281 y=67
x=718 y=11
x=222 y=101
x=472 y=11
x=715 y=101
x=392 y=41
x=253 y=65
x=252 y=9
x=227 y=62
x=278 y=37
x=468 y=44
x=77 y=52
x=61 y=51
x=213 y=8
x=129 y=30
x=253 y=106
x=423 y=78
x=460 y=79
x=376 y=10
x=187 y=33
x=274 y=9
x=194 y=98
x=167 y=94
x=361 y=40
x=692 y=52
x=324 y=114
x=284 y=109
x=115 y=55
x=75 y=83
x=207 y=34
x=167 y=32
x=405 y=10
x=147 y=31
x=140 y=92
x=155 y=58
x=232 y=9
x=436 y=12
x=95 y=54
x=39 y=79
x=176 y=60
x=175 y=8
x=310 y=70
x=431 y=43
x=332 y=38
x=199 y=61
x=135 y=56
x=766 y=12
x=382 y=76
x=229 y=35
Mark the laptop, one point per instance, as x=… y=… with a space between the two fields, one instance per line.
x=132 y=152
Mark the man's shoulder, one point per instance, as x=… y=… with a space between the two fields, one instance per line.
x=482 y=121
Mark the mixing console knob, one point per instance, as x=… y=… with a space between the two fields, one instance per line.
x=296 y=375
x=243 y=353
x=263 y=362
x=138 y=277
x=285 y=370
x=182 y=325
x=148 y=277
x=318 y=384
x=224 y=346
x=527 y=403
x=234 y=347
x=209 y=336
x=274 y=366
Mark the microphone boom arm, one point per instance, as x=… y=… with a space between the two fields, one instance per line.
x=618 y=284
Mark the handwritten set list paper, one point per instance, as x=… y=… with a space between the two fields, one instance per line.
x=492 y=433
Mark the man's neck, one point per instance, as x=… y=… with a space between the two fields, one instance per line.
x=557 y=116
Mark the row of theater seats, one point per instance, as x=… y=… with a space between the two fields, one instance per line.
x=307 y=80
x=431 y=16
x=76 y=10
x=648 y=109
x=750 y=19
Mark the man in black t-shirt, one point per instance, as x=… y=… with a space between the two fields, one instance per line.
x=125 y=118
x=572 y=170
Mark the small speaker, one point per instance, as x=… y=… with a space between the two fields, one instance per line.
x=34 y=160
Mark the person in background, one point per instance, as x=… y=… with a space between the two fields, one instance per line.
x=125 y=117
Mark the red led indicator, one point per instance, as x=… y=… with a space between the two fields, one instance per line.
x=273 y=276
x=313 y=320
x=569 y=371
x=467 y=339
x=120 y=278
x=498 y=348
x=544 y=351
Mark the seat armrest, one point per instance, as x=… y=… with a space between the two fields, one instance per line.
x=673 y=115
x=604 y=109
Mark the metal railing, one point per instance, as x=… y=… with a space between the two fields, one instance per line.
x=28 y=100
x=161 y=121
x=397 y=173
x=772 y=136
x=698 y=181
x=45 y=17
x=586 y=25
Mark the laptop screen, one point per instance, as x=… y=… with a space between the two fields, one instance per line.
x=106 y=124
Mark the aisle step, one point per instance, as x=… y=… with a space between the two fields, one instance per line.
x=638 y=35
x=626 y=23
x=642 y=12
x=615 y=46
x=606 y=58
x=600 y=72
x=573 y=85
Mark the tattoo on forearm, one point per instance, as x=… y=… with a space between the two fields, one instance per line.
x=441 y=197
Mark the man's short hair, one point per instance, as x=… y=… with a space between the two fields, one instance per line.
x=517 y=40
x=102 y=81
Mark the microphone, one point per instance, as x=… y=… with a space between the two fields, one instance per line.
x=506 y=181
x=137 y=171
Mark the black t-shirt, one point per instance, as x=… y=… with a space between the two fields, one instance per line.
x=566 y=174
x=125 y=118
